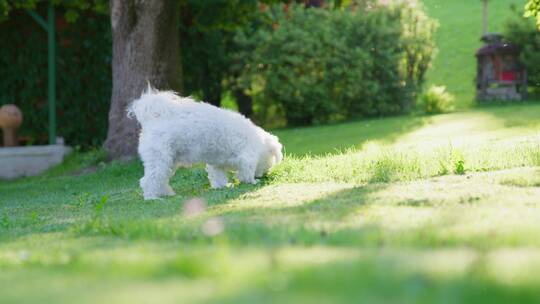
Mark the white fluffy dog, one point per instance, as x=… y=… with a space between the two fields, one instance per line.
x=178 y=131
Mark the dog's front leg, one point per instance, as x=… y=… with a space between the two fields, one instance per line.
x=216 y=176
x=158 y=169
x=246 y=173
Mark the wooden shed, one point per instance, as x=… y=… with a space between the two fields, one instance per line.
x=500 y=76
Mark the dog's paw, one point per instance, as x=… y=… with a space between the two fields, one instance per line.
x=149 y=197
x=159 y=195
x=218 y=185
x=169 y=191
x=254 y=181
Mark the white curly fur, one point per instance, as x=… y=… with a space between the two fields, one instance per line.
x=178 y=131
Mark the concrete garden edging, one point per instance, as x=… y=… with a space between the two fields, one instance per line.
x=18 y=162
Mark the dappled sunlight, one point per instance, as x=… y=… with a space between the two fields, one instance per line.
x=390 y=220
x=468 y=129
x=444 y=210
x=453 y=209
x=285 y=195
x=412 y=160
x=452 y=128
x=475 y=209
x=332 y=139
x=481 y=140
x=478 y=127
x=424 y=236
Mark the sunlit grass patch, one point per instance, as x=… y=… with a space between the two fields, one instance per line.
x=380 y=163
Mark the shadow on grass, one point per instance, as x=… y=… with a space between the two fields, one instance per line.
x=48 y=206
x=273 y=215
x=273 y=223
x=513 y=114
x=269 y=226
x=71 y=203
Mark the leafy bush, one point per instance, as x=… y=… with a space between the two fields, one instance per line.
x=437 y=100
x=532 y=9
x=206 y=31
x=316 y=65
x=523 y=33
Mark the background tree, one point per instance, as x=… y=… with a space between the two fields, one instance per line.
x=524 y=33
x=146 y=48
x=532 y=9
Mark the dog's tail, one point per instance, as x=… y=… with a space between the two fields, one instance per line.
x=153 y=105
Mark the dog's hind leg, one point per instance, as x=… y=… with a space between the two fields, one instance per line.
x=158 y=169
x=216 y=176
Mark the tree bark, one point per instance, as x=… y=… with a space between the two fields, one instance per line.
x=146 y=48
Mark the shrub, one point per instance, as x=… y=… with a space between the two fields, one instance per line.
x=316 y=65
x=206 y=31
x=523 y=33
x=437 y=100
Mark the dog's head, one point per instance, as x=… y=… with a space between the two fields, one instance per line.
x=271 y=156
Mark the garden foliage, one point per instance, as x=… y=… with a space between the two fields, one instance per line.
x=206 y=32
x=523 y=33
x=83 y=75
x=532 y=9
x=437 y=100
x=316 y=65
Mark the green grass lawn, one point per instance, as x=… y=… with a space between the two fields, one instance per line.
x=458 y=38
x=409 y=209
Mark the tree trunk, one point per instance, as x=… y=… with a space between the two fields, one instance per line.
x=146 y=48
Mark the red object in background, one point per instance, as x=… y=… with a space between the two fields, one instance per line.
x=61 y=23
x=508 y=75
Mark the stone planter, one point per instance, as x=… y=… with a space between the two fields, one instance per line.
x=28 y=161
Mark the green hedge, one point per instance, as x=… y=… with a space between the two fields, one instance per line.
x=83 y=76
x=316 y=65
